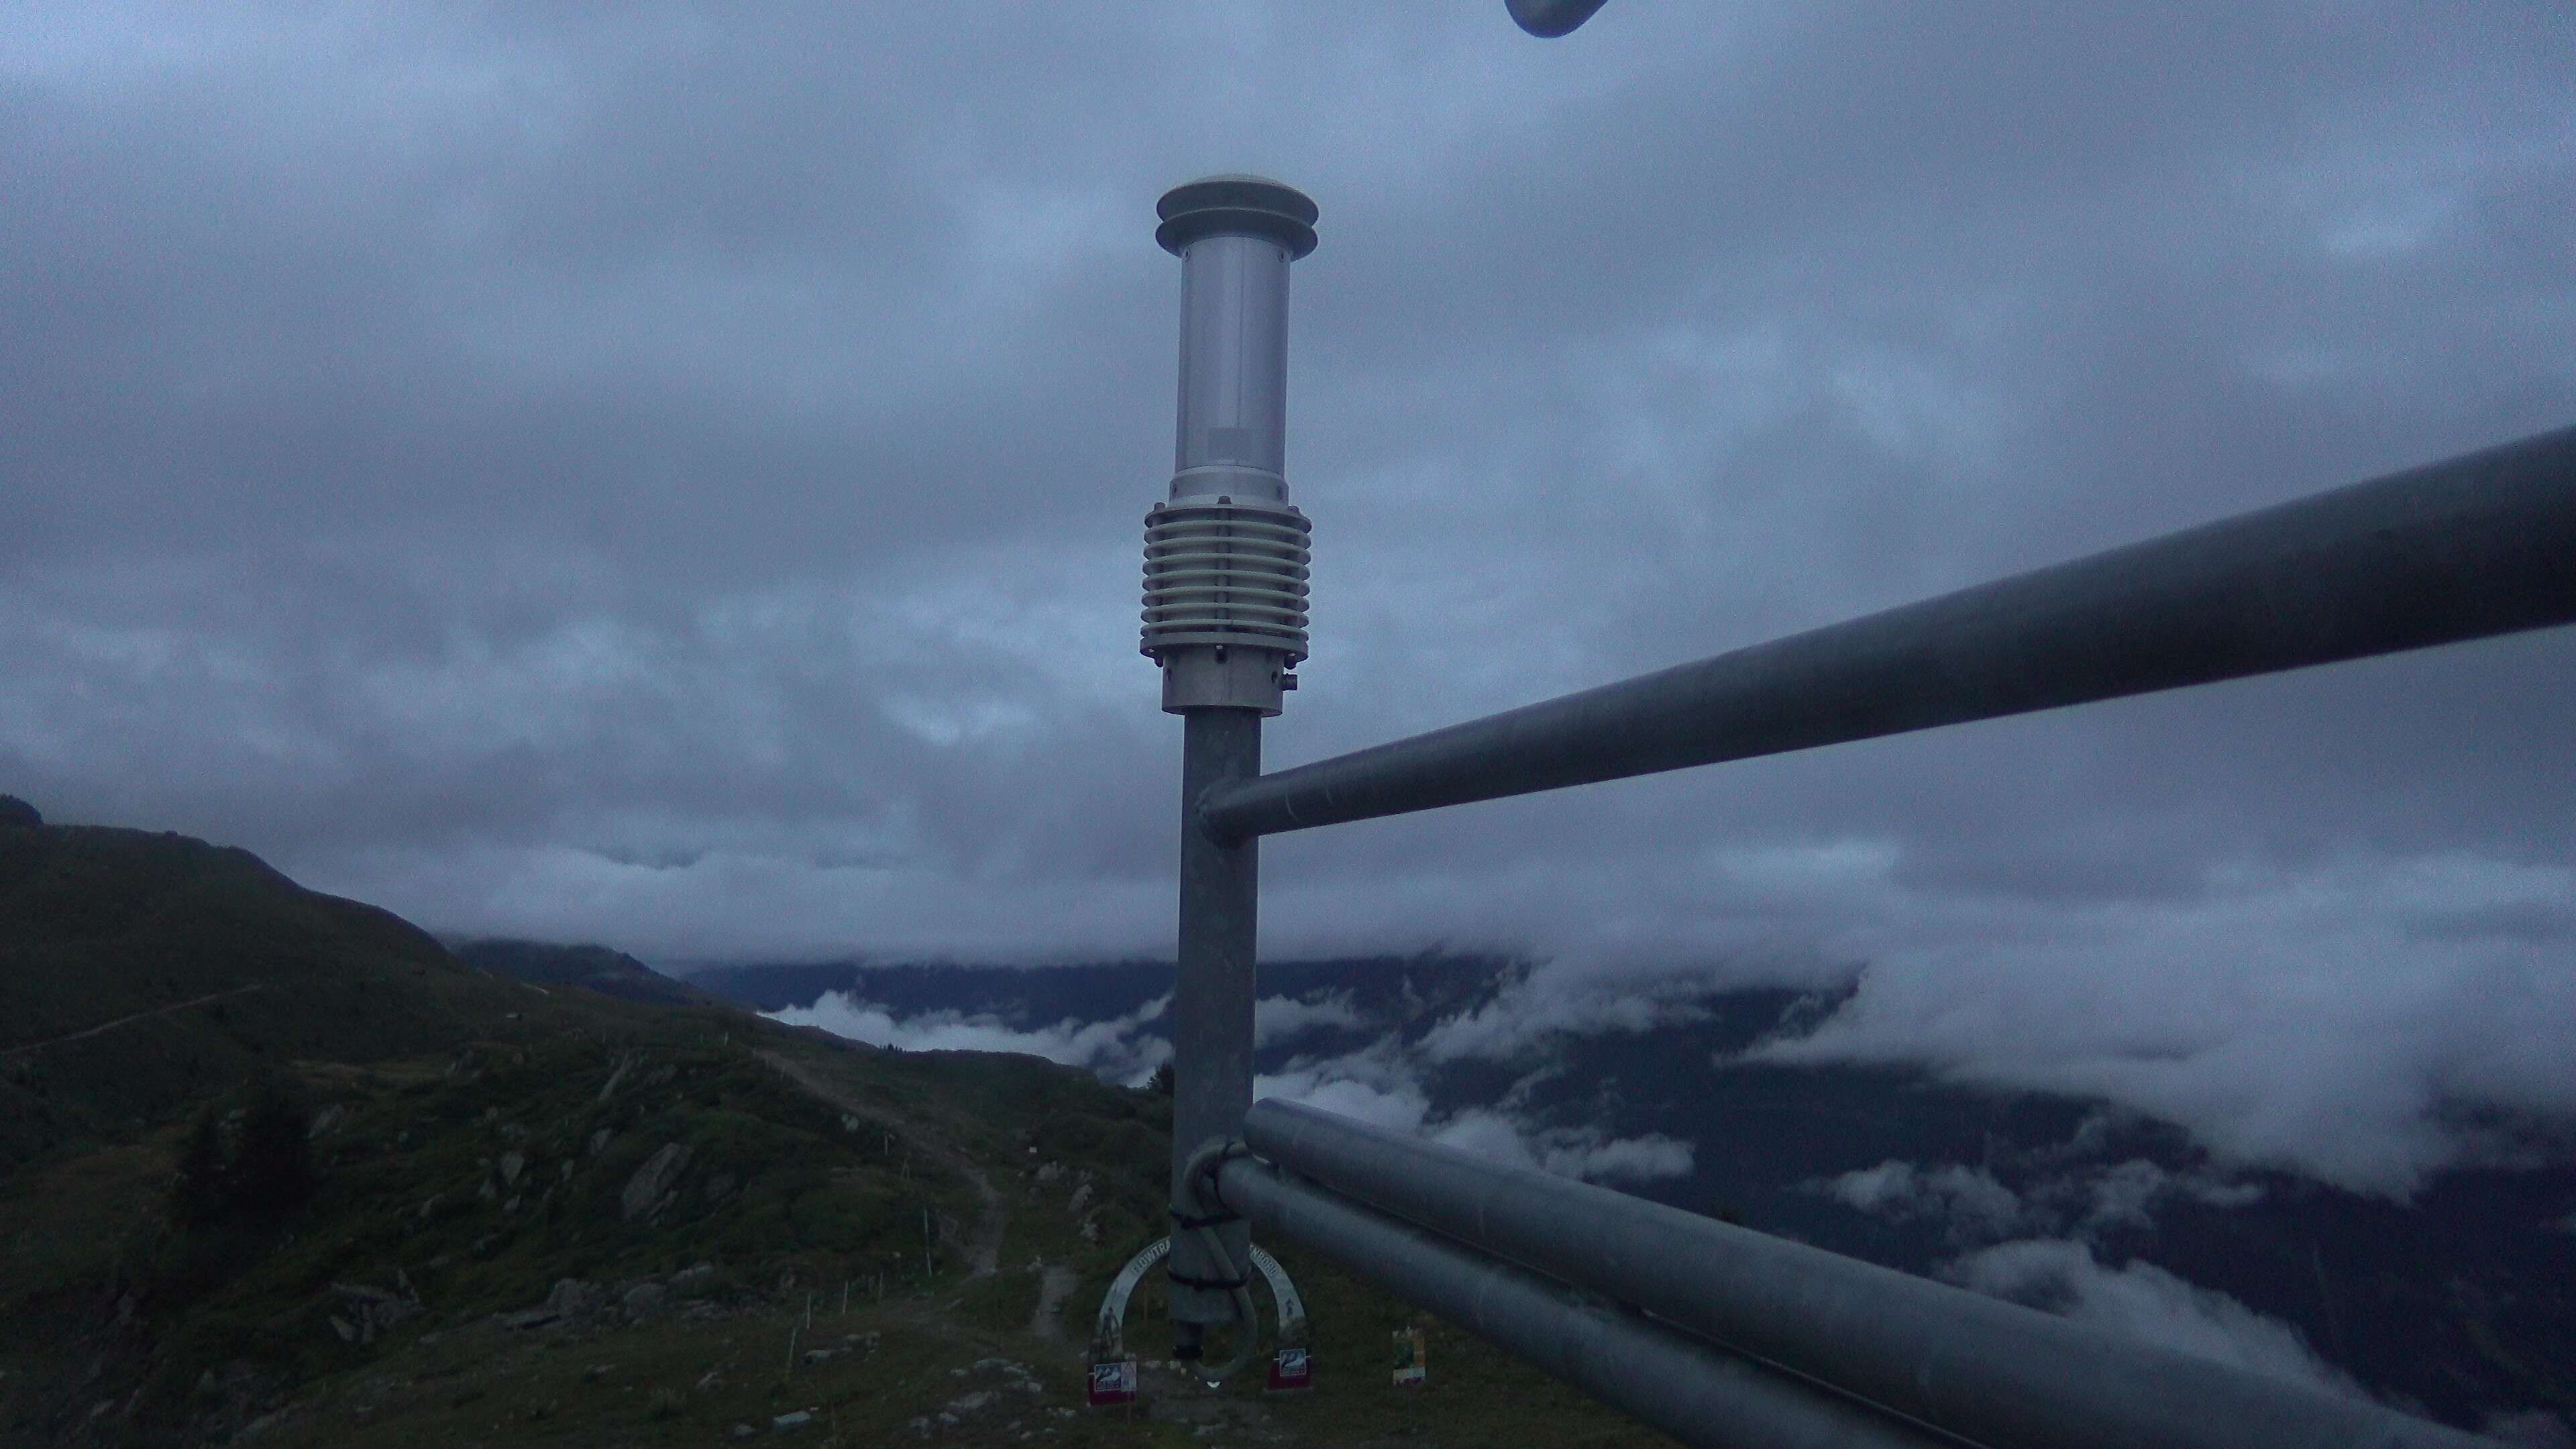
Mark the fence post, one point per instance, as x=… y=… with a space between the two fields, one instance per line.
x=1225 y=598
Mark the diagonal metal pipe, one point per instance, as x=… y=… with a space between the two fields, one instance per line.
x=1991 y=1372
x=1703 y=1395
x=2474 y=546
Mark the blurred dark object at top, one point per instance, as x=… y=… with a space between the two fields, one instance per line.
x=1548 y=19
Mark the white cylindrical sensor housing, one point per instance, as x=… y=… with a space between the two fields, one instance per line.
x=1225 y=557
x=1233 y=434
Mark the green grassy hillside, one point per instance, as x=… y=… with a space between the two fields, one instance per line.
x=140 y=973
x=562 y=1218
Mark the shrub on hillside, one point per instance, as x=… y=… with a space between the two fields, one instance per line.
x=263 y=1172
x=272 y=1169
x=197 y=1193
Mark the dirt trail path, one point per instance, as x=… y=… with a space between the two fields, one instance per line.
x=984 y=1250
x=35 y=1046
x=1055 y=1285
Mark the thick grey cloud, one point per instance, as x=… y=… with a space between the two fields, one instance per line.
x=1975 y=1209
x=671 y=475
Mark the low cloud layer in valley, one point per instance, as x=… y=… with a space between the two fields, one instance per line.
x=1691 y=1085
x=1380 y=1083
x=1113 y=1048
x=2143 y=1302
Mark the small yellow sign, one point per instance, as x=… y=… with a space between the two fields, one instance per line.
x=1412 y=1357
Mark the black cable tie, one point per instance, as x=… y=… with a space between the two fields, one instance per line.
x=1213 y=1220
x=1187 y=1280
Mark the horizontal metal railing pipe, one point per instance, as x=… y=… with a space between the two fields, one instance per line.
x=1700 y=1394
x=1992 y=1372
x=2474 y=546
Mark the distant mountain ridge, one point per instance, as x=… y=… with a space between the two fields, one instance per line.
x=596 y=968
x=1032 y=995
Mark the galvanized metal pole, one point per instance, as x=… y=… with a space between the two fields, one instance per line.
x=1212 y=997
x=1225 y=600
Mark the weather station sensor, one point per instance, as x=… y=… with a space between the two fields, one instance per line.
x=1226 y=555
x=1225 y=618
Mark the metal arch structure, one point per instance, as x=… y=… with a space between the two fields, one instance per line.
x=1109 y=1329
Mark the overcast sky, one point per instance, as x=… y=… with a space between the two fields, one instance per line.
x=673 y=475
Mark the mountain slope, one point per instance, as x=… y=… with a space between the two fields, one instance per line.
x=562 y=1218
x=142 y=972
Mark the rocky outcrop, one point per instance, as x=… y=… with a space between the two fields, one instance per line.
x=576 y=1298
x=1007 y=1379
x=572 y=1300
x=625 y=1064
x=649 y=1190
x=364 y=1311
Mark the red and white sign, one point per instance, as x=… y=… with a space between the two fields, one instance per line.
x=1113 y=1382
x=1291 y=1368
